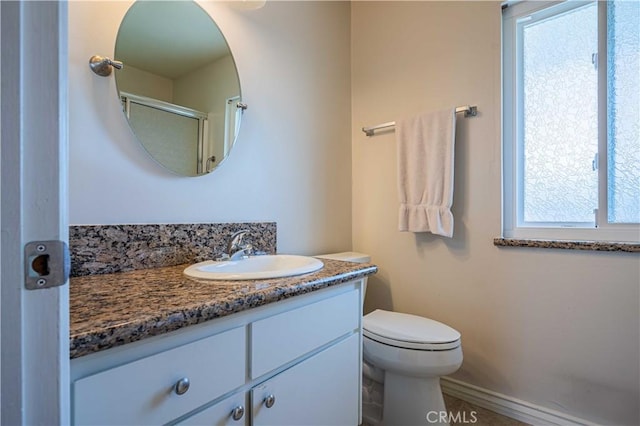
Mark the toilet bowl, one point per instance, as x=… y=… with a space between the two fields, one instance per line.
x=406 y=354
x=413 y=352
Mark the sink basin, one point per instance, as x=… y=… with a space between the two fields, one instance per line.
x=254 y=267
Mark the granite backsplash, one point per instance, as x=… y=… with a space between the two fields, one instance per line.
x=105 y=249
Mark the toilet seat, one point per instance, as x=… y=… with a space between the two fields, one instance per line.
x=409 y=331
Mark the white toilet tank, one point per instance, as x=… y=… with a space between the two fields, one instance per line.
x=347 y=256
x=350 y=256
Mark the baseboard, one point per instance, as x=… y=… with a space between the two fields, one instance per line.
x=506 y=405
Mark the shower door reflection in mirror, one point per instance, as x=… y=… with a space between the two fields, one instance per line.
x=174 y=136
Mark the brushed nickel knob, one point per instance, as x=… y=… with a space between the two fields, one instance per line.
x=182 y=386
x=237 y=413
x=270 y=400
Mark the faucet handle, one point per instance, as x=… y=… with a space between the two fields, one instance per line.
x=235 y=241
x=239 y=235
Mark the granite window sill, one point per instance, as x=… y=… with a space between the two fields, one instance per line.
x=569 y=245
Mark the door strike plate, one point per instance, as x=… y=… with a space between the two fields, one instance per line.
x=46 y=264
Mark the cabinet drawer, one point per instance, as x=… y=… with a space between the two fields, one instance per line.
x=143 y=391
x=221 y=414
x=284 y=337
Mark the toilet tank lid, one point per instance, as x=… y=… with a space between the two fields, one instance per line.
x=348 y=256
x=408 y=328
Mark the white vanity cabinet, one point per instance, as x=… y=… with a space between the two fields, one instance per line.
x=293 y=362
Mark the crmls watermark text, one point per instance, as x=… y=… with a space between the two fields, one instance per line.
x=449 y=417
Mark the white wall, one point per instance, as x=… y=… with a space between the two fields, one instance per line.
x=219 y=78
x=556 y=328
x=292 y=162
x=202 y=88
x=144 y=83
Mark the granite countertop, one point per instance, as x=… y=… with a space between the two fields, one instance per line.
x=110 y=310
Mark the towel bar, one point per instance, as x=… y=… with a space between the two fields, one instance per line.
x=469 y=111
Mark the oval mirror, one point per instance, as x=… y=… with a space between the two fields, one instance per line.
x=179 y=86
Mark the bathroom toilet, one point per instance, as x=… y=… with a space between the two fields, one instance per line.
x=413 y=352
x=407 y=355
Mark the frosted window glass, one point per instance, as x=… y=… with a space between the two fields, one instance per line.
x=560 y=133
x=623 y=77
x=171 y=139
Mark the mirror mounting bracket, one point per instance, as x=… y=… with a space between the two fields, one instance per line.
x=103 y=66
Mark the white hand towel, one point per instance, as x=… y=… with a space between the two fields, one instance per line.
x=425 y=146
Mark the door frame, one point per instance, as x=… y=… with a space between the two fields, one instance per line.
x=33 y=175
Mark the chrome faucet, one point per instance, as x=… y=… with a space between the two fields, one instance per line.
x=236 y=249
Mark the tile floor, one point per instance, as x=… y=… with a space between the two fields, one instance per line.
x=469 y=414
x=482 y=416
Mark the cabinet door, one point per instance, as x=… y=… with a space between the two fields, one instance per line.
x=231 y=411
x=322 y=390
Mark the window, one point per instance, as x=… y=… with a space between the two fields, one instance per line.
x=571 y=135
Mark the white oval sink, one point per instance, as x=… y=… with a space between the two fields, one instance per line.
x=254 y=267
